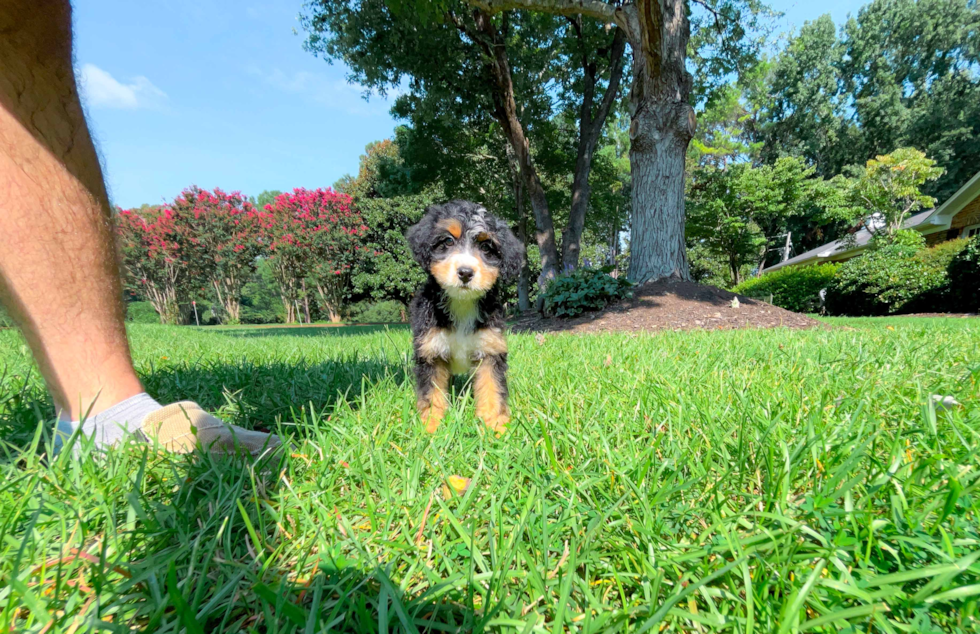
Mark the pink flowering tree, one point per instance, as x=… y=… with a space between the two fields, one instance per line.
x=315 y=235
x=224 y=236
x=155 y=256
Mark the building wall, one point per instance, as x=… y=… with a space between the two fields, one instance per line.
x=969 y=215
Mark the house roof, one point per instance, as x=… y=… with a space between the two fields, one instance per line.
x=930 y=221
x=838 y=249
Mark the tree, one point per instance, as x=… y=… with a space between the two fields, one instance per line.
x=154 y=253
x=888 y=191
x=458 y=70
x=224 y=240
x=662 y=119
x=902 y=73
x=387 y=270
x=312 y=234
x=737 y=211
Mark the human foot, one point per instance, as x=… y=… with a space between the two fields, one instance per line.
x=179 y=427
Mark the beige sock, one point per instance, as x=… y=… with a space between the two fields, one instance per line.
x=183 y=426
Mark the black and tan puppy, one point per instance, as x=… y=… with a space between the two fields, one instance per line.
x=457 y=315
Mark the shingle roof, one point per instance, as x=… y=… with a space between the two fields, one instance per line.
x=838 y=248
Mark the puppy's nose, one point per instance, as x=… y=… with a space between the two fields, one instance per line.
x=465 y=274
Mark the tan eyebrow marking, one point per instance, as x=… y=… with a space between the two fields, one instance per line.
x=453 y=226
x=484 y=236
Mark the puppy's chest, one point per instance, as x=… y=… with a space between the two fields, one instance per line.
x=463 y=349
x=461 y=343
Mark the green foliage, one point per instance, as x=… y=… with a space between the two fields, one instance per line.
x=899 y=73
x=572 y=294
x=141 y=313
x=386 y=312
x=387 y=270
x=887 y=190
x=261 y=302
x=964 y=278
x=894 y=278
x=6 y=321
x=865 y=520
x=795 y=288
x=736 y=211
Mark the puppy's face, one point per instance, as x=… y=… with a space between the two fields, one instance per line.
x=465 y=248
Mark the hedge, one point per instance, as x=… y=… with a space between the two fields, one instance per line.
x=896 y=278
x=794 y=288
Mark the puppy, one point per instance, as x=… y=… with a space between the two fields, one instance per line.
x=457 y=315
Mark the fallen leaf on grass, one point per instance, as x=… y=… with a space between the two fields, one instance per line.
x=455 y=485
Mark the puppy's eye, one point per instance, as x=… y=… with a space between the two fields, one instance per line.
x=445 y=243
x=488 y=248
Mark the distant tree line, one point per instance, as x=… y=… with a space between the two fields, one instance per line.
x=207 y=247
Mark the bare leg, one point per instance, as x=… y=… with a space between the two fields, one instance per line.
x=59 y=276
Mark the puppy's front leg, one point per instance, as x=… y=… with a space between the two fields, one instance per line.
x=432 y=389
x=490 y=392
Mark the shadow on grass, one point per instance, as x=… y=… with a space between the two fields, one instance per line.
x=310 y=331
x=224 y=527
x=322 y=587
x=253 y=394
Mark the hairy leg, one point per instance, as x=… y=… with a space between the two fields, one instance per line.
x=432 y=390
x=59 y=276
x=490 y=392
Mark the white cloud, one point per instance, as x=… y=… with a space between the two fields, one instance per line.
x=335 y=94
x=101 y=90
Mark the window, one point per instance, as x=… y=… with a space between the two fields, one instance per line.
x=972 y=230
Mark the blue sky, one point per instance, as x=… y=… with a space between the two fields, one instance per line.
x=221 y=93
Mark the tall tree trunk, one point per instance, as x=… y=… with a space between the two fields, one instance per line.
x=306 y=302
x=662 y=126
x=662 y=121
x=506 y=115
x=524 y=278
x=517 y=183
x=590 y=131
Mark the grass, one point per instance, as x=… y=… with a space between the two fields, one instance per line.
x=771 y=481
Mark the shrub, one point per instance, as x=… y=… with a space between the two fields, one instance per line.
x=141 y=313
x=964 y=277
x=894 y=278
x=386 y=312
x=793 y=288
x=584 y=289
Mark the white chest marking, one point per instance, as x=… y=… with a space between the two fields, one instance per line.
x=462 y=341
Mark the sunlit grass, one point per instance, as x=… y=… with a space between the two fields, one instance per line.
x=755 y=481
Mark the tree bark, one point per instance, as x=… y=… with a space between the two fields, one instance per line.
x=661 y=128
x=662 y=121
x=506 y=115
x=590 y=131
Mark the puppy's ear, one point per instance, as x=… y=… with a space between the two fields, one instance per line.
x=511 y=250
x=419 y=236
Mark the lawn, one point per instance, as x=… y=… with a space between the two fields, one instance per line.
x=754 y=481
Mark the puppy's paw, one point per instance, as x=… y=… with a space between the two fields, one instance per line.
x=497 y=423
x=431 y=418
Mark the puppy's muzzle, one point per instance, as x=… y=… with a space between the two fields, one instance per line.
x=465 y=274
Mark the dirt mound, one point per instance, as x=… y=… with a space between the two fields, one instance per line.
x=673 y=305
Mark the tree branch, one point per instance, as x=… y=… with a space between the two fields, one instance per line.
x=592 y=8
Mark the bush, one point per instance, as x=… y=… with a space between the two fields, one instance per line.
x=141 y=313
x=964 y=278
x=584 y=289
x=894 y=278
x=385 y=312
x=793 y=288
x=5 y=320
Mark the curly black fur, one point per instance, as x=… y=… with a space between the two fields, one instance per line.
x=431 y=307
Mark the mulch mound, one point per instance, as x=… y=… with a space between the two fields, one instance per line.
x=673 y=305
